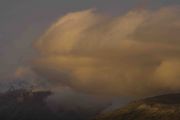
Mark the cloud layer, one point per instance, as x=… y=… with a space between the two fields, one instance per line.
x=133 y=54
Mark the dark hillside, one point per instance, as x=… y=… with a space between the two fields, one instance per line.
x=163 y=107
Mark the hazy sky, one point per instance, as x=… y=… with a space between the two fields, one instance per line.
x=24 y=21
x=115 y=50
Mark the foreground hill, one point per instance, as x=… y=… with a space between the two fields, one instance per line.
x=164 y=107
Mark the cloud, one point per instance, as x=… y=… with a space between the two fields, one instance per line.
x=132 y=54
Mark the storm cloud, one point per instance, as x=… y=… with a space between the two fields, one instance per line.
x=132 y=54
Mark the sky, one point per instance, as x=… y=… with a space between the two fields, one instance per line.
x=93 y=47
x=23 y=21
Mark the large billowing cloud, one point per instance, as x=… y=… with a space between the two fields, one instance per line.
x=136 y=53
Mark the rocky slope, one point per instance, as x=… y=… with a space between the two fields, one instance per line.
x=164 y=107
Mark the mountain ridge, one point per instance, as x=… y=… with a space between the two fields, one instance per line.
x=162 y=107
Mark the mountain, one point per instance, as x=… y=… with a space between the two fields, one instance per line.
x=163 y=107
x=25 y=105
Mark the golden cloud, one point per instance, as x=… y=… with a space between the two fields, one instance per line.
x=133 y=54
